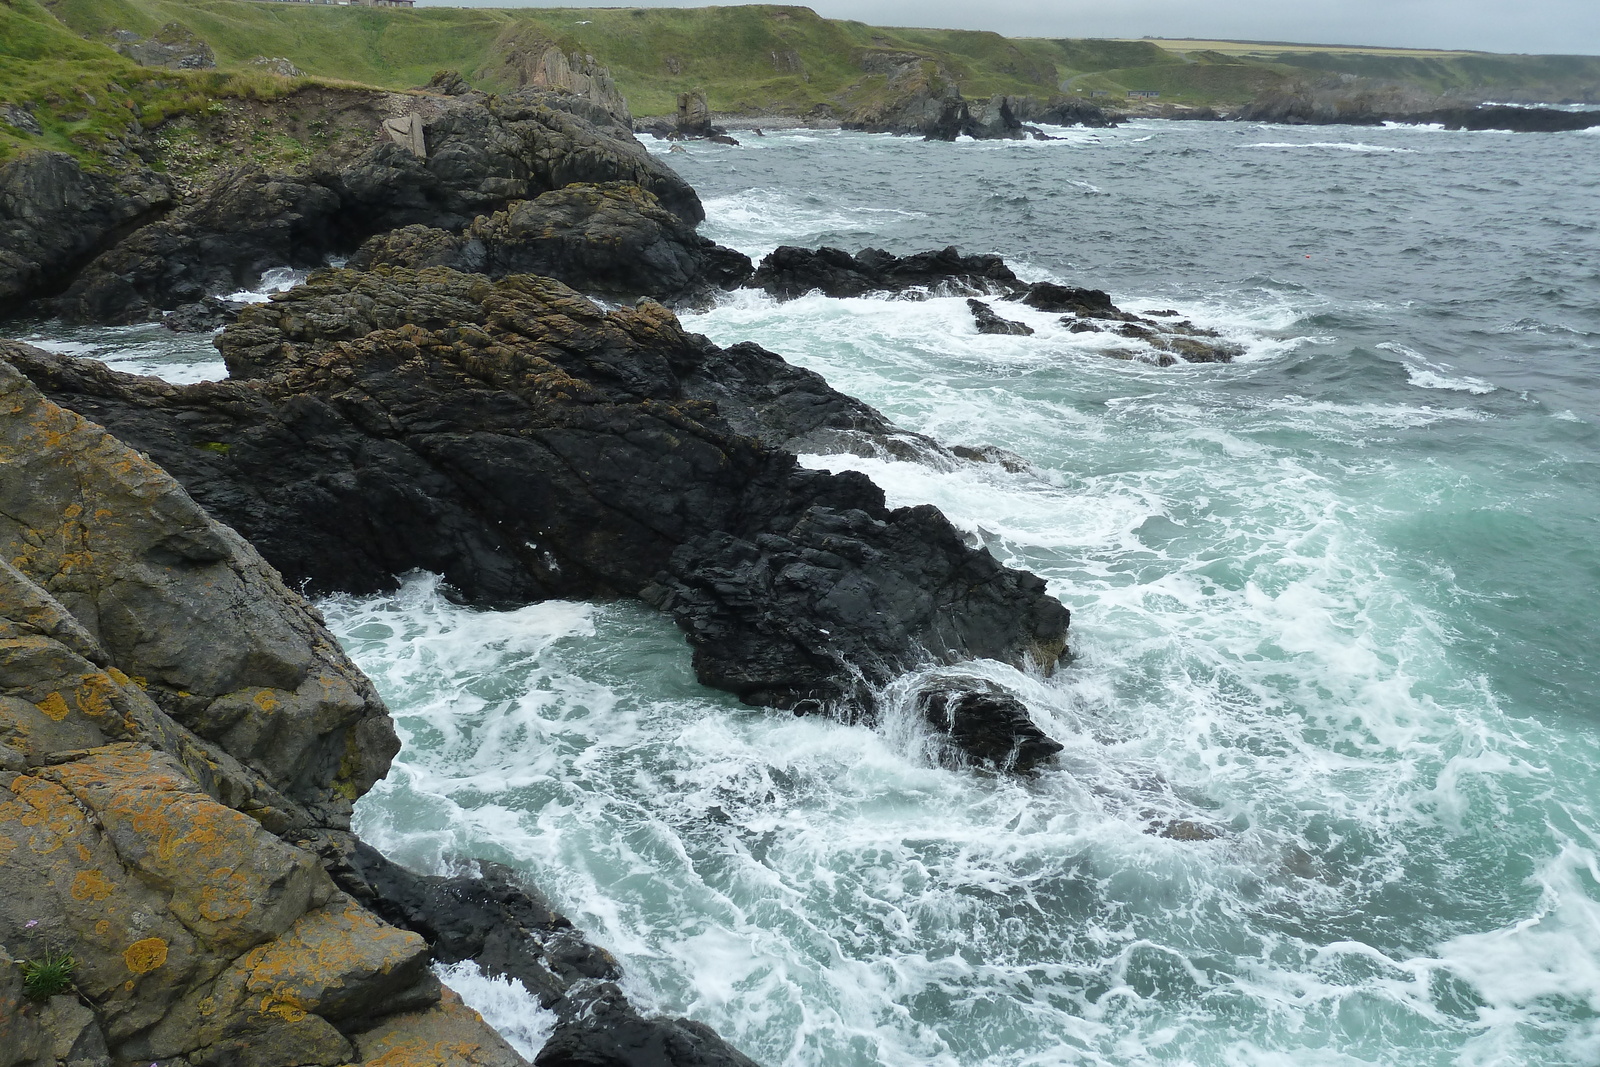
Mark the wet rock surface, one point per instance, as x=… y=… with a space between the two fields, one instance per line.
x=981 y=722
x=790 y=272
x=613 y=239
x=989 y=322
x=525 y=444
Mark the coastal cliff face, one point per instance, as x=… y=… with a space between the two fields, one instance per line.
x=127 y=249
x=167 y=709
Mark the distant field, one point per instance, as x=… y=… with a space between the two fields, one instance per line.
x=1276 y=48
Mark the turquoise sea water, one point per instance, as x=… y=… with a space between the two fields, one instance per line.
x=1334 y=602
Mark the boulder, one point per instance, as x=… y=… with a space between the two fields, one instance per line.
x=978 y=721
x=480 y=157
x=277 y=65
x=525 y=444
x=613 y=239
x=789 y=272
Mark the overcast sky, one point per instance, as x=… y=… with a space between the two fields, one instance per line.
x=1545 y=26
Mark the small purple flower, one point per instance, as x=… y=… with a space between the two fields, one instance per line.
x=29 y=925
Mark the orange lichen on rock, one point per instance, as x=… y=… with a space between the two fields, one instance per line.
x=144 y=956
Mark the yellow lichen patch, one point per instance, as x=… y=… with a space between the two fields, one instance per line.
x=94 y=694
x=103 y=927
x=54 y=707
x=283 y=1007
x=142 y=957
x=92 y=885
x=265 y=700
x=227 y=900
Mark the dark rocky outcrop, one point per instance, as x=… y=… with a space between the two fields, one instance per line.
x=518 y=440
x=1361 y=103
x=989 y=322
x=491 y=918
x=54 y=216
x=610 y=1033
x=481 y=155
x=980 y=721
x=789 y=272
x=922 y=98
x=1090 y=303
x=613 y=239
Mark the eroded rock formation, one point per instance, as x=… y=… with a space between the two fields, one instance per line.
x=613 y=239
x=519 y=440
x=481 y=155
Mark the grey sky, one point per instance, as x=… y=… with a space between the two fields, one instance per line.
x=1544 y=26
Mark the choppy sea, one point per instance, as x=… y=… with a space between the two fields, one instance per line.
x=1334 y=602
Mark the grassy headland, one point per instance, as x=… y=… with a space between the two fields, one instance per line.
x=56 y=58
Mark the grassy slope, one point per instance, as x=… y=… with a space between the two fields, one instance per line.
x=86 y=97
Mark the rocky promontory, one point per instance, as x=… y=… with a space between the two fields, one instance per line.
x=525 y=443
x=182 y=741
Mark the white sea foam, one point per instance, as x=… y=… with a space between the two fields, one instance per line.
x=1347 y=146
x=1261 y=651
x=504 y=1003
x=144 y=349
x=1428 y=374
x=757 y=221
x=274 y=280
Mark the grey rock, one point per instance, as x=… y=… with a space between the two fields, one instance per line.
x=54 y=216
x=174 y=46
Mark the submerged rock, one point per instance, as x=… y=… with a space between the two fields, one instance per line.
x=613 y=239
x=989 y=322
x=790 y=272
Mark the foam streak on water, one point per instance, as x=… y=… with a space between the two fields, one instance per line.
x=1332 y=607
